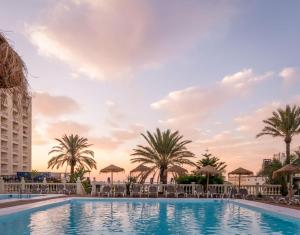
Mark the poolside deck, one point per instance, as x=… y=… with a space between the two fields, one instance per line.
x=26 y=201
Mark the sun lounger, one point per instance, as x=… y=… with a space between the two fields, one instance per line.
x=243 y=193
x=198 y=191
x=152 y=190
x=120 y=190
x=212 y=192
x=136 y=190
x=44 y=189
x=170 y=190
x=105 y=190
x=233 y=193
x=180 y=191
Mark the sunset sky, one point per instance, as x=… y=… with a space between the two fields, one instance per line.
x=109 y=70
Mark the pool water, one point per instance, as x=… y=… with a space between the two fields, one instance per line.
x=153 y=216
x=16 y=196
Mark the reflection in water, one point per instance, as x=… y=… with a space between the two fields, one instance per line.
x=146 y=217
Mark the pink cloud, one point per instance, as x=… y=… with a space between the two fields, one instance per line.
x=52 y=106
x=124 y=35
x=60 y=128
x=194 y=104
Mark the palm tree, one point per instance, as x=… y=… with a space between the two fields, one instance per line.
x=284 y=123
x=73 y=151
x=165 y=149
x=210 y=160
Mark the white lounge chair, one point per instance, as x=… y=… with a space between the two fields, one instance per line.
x=105 y=190
x=120 y=190
x=170 y=190
x=136 y=190
x=152 y=190
x=199 y=191
x=180 y=191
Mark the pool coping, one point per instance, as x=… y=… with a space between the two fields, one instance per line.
x=37 y=197
x=271 y=208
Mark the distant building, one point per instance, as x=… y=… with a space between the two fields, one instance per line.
x=247 y=180
x=15 y=135
x=266 y=162
x=280 y=156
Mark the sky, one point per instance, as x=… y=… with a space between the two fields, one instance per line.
x=110 y=70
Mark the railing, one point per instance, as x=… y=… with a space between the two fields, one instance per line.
x=266 y=190
x=41 y=188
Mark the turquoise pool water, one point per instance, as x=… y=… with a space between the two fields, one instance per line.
x=125 y=216
x=9 y=196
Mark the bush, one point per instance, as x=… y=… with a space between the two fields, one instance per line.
x=198 y=179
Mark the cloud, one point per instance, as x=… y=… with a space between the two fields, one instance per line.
x=115 y=116
x=105 y=143
x=194 y=104
x=127 y=134
x=53 y=106
x=113 y=38
x=290 y=75
x=60 y=128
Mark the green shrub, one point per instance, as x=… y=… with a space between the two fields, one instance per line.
x=198 y=179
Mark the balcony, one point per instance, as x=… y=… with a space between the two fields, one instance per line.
x=5 y=148
x=4 y=171
x=4 y=113
x=4 y=160
x=16 y=151
x=4 y=136
x=5 y=125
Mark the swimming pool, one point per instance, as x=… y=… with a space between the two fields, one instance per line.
x=16 y=196
x=147 y=216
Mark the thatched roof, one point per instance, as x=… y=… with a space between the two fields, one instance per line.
x=12 y=70
x=177 y=169
x=240 y=171
x=111 y=168
x=208 y=170
x=140 y=168
x=287 y=169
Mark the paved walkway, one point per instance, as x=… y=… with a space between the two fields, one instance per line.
x=24 y=202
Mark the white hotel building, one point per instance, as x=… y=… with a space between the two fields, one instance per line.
x=15 y=135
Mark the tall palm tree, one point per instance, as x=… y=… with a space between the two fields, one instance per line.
x=164 y=150
x=284 y=123
x=73 y=151
x=210 y=160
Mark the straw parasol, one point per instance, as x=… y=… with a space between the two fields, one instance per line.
x=240 y=171
x=140 y=168
x=177 y=170
x=13 y=71
x=208 y=170
x=112 y=169
x=288 y=169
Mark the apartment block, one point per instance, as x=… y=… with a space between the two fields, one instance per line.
x=15 y=135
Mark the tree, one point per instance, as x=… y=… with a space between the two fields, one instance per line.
x=164 y=149
x=284 y=123
x=268 y=170
x=73 y=151
x=295 y=157
x=210 y=160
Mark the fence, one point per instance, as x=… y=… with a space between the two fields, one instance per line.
x=266 y=190
x=42 y=188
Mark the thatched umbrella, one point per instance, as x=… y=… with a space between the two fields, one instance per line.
x=240 y=171
x=112 y=169
x=208 y=170
x=140 y=168
x=288 y=169
x=12 y=70
x=177 y=170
